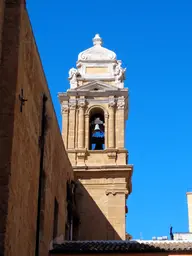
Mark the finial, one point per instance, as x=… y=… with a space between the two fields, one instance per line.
x=97 y=40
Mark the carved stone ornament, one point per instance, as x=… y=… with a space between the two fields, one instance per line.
x=72 y=104
x=111 y=102
x=119 y=72
x=64 y=108
x=121 y=103
x=106 y=115
x=81 y=155
x=112 y=155
x=81 y=103
x=73 y=74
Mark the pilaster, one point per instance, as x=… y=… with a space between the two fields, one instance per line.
x=120 y=123
x=116 y=207
x=111 y=122
x=87 y=131
x=65 y=120
x=72 y=123
x=81 y=127
x=106 y=130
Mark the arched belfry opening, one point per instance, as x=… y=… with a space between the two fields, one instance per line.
x=96 y=129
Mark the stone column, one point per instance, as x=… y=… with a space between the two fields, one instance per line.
x=81 y=126
x=87 y=131
x=120 y=123
x=65 y=120
x=106 y=130
x=72 y=123
x=111 y=130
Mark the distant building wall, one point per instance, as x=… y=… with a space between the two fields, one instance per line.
x=183 y=236
x=189 y=202
x=20 y=149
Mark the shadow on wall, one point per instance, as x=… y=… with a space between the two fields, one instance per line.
x=88 y=220
x=93 y=222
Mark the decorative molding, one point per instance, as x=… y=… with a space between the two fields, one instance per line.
x=98 y=85
x=81 y=155
x=116 y=191
x=72 y=104
x=99 y=93
x=121 y=102
x=81 y=103
x=112 y=155
x=106 y=115
x=95 y=106
x=64 y=108
x=111 y=102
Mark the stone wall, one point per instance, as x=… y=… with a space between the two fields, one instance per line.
x=20 y=149
x=101 y=201
x=1 y=22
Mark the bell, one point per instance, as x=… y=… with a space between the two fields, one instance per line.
x=96 y=127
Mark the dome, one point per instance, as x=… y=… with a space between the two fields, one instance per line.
x=97 y=52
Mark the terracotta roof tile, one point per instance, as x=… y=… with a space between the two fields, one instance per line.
x=121 y=246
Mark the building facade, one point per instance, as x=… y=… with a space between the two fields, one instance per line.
x=35 y=172
x=189 y=203
x=94 y=113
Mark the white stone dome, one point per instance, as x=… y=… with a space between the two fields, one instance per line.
x=97 y=52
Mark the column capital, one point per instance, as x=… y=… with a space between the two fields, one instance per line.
x=106 y=115
x=81 y=103
x=64 y=108
x=121 y=102
x=111 y=102
x=72 y=104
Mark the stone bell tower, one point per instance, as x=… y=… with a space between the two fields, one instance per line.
x=94 y=113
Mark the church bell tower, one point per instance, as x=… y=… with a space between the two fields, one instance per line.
x=94 y=113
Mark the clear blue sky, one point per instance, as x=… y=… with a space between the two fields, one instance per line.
x=154 y=41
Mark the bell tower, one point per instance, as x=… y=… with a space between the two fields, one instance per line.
x=94 y=113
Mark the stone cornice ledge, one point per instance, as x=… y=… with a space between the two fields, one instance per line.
x=116 y=191
x=103 y=168
x=123 y=150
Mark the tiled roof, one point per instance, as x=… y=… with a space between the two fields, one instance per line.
x=139 y=246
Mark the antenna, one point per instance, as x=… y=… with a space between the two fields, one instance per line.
x=171 y=233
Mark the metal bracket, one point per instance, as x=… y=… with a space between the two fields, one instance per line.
x=22 y=100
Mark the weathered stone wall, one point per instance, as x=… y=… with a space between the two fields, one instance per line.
x=1 y=22
x=19 y=142
x=101 y=202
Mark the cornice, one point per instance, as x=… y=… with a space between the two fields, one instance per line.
x=116 y=191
